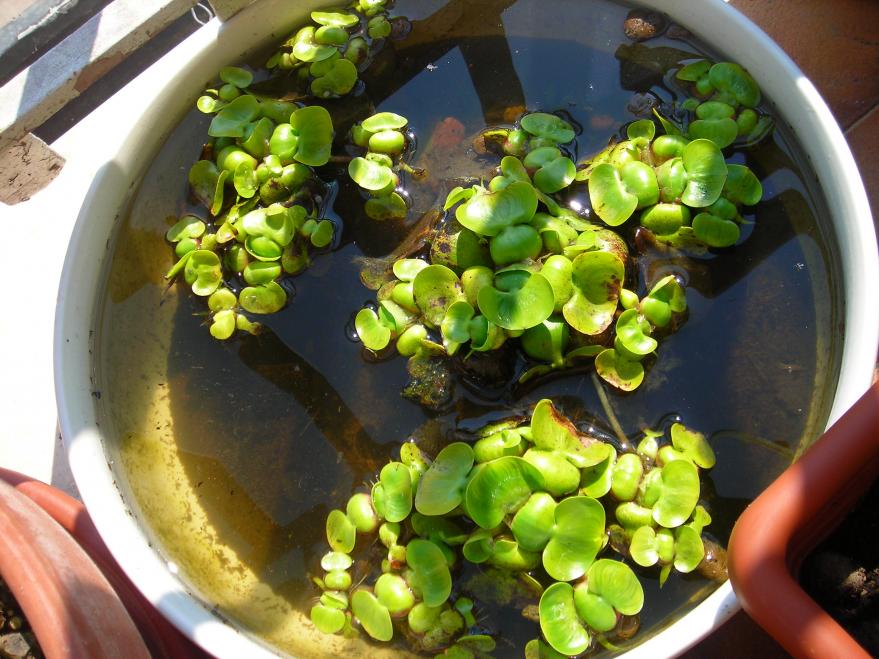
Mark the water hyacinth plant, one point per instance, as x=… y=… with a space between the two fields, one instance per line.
x=327 y=56
x=383 y=136
x=261 y=198
x=509 y=263
x=563 y=512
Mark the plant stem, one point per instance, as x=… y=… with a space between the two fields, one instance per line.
x=608 y=410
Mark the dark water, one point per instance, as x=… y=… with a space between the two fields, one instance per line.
x=278 y=429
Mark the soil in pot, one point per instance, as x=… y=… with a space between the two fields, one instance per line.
x=842 y=574
x=17 y=641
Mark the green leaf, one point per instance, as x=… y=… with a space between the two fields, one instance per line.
x=335 y=18
x=203 y=178
x=715 y=231
x=396 y=481
x=741 y=186
x=611 y=201
x=487 y=213
x=233 y=119
x=733 y=79
x=327 y=620
x=526 y=305
x=559 y=622
x=373 y=616
x=597 y=278
x=387 y=207
x=372 y=333
x=722 y=132
x=314 y=127
x=641 y=129
x=547 y=125
x=633 y=331
x=552 y=431
x=245 y=181
x=532 y=525
x=431 y=572
x=264 y=299
x=337 y=81
x=693 y=445
x=577 y=537
x=341 y=534
x=370 y=175
x=384 y=121
x=618 y=371
x=500 y=487
x=706 y=173
x=188 y=226
x=435 y=288
x=441 y=488
x=679 y=493
x=202 y=271
x=555 y=175
x=616 y=585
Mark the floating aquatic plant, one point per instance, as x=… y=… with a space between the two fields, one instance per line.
x=511 y=264
x=524 y=501
x=383 y=137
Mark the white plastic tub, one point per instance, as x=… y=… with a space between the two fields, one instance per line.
x=147 y=110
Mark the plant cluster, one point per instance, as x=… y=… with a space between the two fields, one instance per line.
x=258 y=185
x=542 y=501
x=328 y=55
x=377 y=171
x=513 y=263
x=725 y=104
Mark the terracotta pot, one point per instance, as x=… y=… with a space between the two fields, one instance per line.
x=98 y=603
x=790 y=518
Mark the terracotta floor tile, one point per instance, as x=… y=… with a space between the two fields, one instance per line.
x=863 y=138
x=835 y=42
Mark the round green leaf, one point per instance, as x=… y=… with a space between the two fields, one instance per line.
x=552 y=431
x=264 y=299
x=559 y=621
x=440 y=489
x=616 y=584
x=732 y=78
x=715 y=231
x=694 y=70
x=370 y=175
x=435 y=288
x=526 y=306
x=689 y=549
x=533 y=523
x=326 y=619
x=455 y=326
x=577 y=537
x=722 y=132
x=396 y=482
x=386 y=207
x=314 y=127
x=500 y=487
x=203 y=178
x=547 y=341
x=335 y=18
x=487 y=213
x=706 y=173
x=515 y=243
x=372 y=333
x=393 y=593
x=384 y=121
x=643 y=548
x=547 y=125
x=203 y=272
x=373 y=616
x=431 y=571
x=693 y=445
x=611 y=201
x=679 y=493
x=597 y=278
x=555 y=175
x=633 y=332
x=741 y=186
x=245 y=181
x=640 y=179
x=642 y=128
x=233 y=119
x=337 y=81
x=306 y=49
x=665 y=219
x=223 y=324
x=188 y=226
x=618 y=371
x=341 y=534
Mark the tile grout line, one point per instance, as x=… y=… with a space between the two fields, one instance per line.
x=857 y=122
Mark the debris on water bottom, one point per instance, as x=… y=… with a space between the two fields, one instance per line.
x=16 y=639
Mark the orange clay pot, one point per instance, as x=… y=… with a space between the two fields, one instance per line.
x=77 y=600
x=790 y=518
